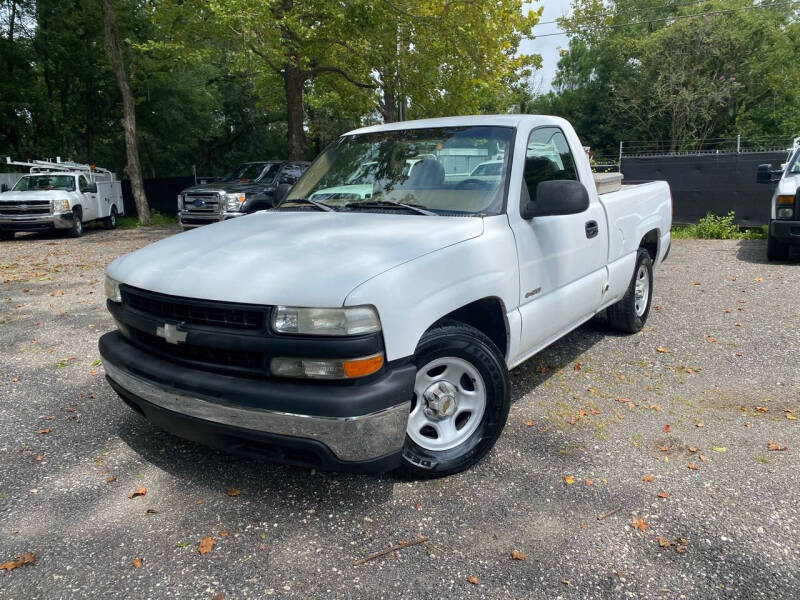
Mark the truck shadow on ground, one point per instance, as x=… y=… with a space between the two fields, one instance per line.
x=755 y=251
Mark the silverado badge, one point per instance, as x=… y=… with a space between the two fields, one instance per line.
x=171 y=334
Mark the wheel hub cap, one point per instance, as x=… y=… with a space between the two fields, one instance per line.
x=441 y=399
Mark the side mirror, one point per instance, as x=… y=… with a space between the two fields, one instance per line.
x=556 y=197
x=765 y=174
x=91 y=188
x=3 y=188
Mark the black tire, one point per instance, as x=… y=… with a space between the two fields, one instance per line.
x=624 y=316
x=451 y=339
x=77 y=224
x=110 y=222
x=776 y=250
x=7 y=235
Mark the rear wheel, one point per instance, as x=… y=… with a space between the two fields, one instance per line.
x=111 y=220
x=776 y=250
x=630 y=313
x=460 y=404
x=77 y=224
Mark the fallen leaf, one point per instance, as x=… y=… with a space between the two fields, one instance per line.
x=719 y=448
x=664 y=448
x=528 y=423
x=517 y=555
x=39 y=457
x=663 y=494
x=655 y=407
x=576 y=367
x=680 y=549
x=694 y=283
x=664 y=542
x=111 y=480
x=775 y=447
x=57 y=293
x=711 y=340
x=44 y=430
x=692 y=466
x=639 y=523
x=693 y=449
x=233 y=492
x=758 y=279
x=665 y=428
x=223 y=534
x=28 y=558
x=569 y=479
x=137 y=562
x=93 y=372
x=205 y=545
x=219 y=596
x=791 y=417
x=588 y=481
x=762 y=409
x=662 y=350
x=748 y=424
x=647 y=478
x=623 y=400
x=702 y=458
x=472 y=579
x=14 y=379
x=261 y=546
x=138 y=492
x=698 y=424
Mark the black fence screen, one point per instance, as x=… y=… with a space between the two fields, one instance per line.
x=716 y=183
x=162 y=194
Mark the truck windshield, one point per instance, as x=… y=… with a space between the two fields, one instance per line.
x=428 y=168
x=794 y=166
x=253 y=172
x=45 y=182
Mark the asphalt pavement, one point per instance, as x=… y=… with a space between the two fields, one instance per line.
x=631 y=466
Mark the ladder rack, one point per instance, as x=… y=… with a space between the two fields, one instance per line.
x=45 y=166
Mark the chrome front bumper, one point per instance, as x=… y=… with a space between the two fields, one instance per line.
x=359 y=438
x=63 y=220
x=190 y=220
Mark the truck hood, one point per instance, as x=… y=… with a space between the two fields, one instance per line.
x=787 y=186
x=35 y=195
x=290 y=258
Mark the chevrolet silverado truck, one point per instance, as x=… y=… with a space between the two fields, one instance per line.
x=249 y=187
x=784 y=223
x=61 y=196
x=367 y=334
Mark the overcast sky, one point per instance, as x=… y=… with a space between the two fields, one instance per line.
x=548 y=46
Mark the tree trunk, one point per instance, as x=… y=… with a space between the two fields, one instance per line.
x=293 y=81
x=134 y=168
x=12 y=19
x=388 y=107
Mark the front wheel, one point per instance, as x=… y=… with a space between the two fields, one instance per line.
x=630 y=313
x=77 y=225
x=776 y=250
x=460 y=404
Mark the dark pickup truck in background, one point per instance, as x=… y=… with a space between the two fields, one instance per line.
x=249 y=187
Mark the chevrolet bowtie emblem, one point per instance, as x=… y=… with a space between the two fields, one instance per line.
x=171 y=334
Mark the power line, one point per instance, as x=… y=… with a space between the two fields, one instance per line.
x=672 y=18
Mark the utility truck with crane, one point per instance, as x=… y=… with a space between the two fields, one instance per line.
x=60 y=195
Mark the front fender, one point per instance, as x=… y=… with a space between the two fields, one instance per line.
x=414 y=295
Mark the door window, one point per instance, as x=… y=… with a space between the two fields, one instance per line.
x=548 y=157
x=84 y=185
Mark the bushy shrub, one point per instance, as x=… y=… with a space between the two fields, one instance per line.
x=714 y=227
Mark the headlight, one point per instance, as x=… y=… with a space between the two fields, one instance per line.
x=61 y=205
x=325 y=368
x=355 y=320
x=234 y=202
x=112 y=289
x=785 y=213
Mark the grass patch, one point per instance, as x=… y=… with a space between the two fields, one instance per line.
x=157 y=219
x=715 y=227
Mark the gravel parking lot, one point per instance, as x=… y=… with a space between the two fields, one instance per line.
x=672 y=427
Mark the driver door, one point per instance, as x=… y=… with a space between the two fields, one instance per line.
x=88 y=200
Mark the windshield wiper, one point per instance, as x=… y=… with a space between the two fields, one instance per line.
x=314 y=203
x=390 y=204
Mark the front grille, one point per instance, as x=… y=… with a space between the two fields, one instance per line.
x=218 y=357
x=15 y=208
x=202 y=204
x=196 y=312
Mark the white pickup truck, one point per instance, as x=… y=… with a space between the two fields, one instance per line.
x=367 y=334
x=59 y=195
x=784 y=221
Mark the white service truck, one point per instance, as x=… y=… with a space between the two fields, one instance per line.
x=355 y=333
x=61 y=195
x=784 y=219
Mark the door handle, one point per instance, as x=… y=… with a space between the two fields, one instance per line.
x=592 y=229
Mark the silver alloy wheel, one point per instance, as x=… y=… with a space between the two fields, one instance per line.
x=641 y=291
x=450 y=399
x=78 y=225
